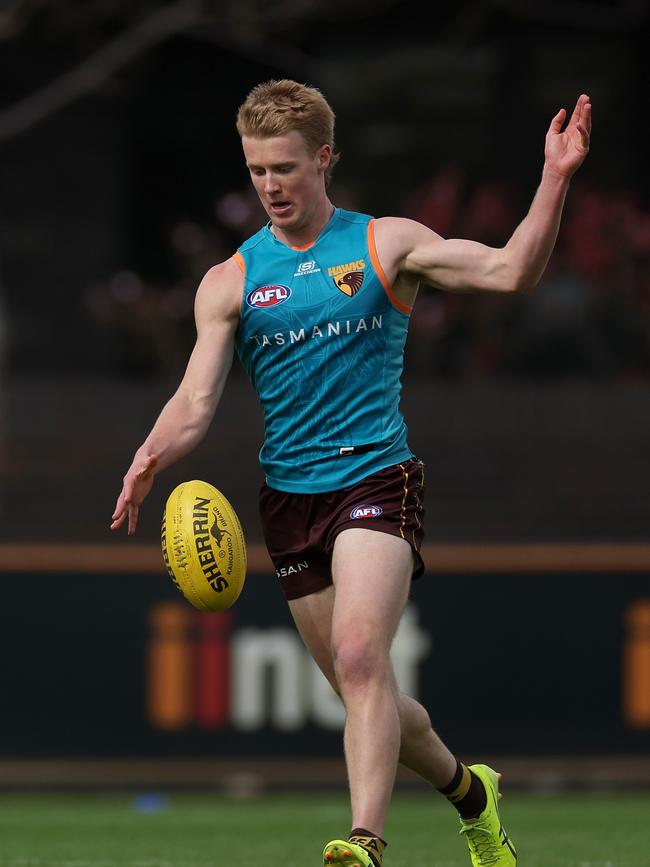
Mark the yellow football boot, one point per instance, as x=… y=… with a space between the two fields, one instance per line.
x=489 y=845
x=342 y=853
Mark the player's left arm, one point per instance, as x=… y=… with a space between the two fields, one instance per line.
x=460 y=265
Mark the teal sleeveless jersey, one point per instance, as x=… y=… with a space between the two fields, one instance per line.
x=322 y=339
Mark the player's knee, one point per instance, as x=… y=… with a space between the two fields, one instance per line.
x=358 y=660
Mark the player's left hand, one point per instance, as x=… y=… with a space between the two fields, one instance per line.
x=565 y=151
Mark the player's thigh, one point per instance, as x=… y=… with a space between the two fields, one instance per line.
x=312 y=615
x=372 y=574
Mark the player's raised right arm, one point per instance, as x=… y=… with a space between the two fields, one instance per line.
x=184 y=420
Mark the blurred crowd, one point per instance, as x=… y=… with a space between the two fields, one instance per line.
x=589 y=317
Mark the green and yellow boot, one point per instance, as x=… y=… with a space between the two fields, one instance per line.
x=355 y=852
x=489 y=845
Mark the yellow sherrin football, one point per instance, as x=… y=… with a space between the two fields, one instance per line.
x=203 y=546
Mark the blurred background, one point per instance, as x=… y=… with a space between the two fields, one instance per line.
x=122 y=182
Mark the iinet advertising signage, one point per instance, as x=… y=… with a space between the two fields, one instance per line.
x=205 y=671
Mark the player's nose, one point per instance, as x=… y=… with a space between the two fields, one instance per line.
x=271 y=184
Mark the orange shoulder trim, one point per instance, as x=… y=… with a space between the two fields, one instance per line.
x=239 y=259
x=376 y=264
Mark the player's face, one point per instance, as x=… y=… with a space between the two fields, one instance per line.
x=289 y=180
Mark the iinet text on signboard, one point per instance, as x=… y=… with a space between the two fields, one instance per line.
x=203 y=672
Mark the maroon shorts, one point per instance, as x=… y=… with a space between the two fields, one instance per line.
x=300 y=529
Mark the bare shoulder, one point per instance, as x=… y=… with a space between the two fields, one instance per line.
x=220 y=292
x=402 y=230
x=397 y=238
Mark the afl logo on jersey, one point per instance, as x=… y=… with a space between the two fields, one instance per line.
x=365 y=511
x=268 y=296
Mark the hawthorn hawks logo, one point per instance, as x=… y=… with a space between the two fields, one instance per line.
x=350 y=282
x=348 y=278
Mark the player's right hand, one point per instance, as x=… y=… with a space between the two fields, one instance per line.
x=137 y=484
x=565 y=151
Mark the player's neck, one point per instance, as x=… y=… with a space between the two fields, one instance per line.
x=305 y=235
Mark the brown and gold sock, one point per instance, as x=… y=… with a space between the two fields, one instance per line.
x=373 y=844
x=466 y=792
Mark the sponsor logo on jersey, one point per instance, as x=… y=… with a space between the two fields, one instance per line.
x=324 y=330
x=307 y=268
x=366 y=511
x=349 y=277
x=268 y=296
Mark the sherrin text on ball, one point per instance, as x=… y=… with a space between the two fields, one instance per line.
x=203 y=546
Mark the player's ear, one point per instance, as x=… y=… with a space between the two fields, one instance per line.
x=324 y=154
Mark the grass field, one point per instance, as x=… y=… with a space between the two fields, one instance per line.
x=590 y=830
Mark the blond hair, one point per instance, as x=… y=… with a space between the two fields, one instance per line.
x=276 y=108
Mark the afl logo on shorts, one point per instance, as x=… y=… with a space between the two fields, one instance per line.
x=268 y=296
x=366 y=511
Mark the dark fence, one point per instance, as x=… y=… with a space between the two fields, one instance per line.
x=537 y=654
x=504 y=463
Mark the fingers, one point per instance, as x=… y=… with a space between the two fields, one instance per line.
x=584 y=137
x=123 y=506
x=556 y=123
x=119 y=514
x=582 y=122
x=134 y=512
x=132 y=489
x=585 y=119
x=118 y=520
x=577 y=111
x=581 y=116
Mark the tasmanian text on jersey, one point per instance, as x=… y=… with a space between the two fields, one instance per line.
x=318 y=332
